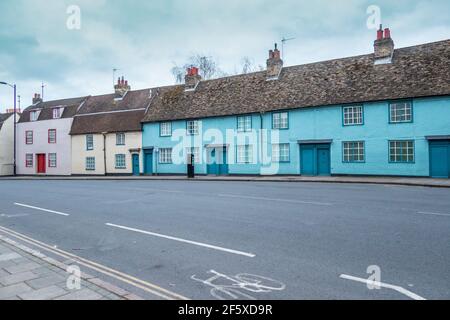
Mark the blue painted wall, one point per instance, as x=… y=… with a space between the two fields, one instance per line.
x=431 y=116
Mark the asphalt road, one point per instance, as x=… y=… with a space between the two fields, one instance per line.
x=298 y=240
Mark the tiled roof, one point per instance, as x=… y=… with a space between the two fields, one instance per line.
x=415 y=72
x=133 y=100
x=107 y=113
x=4 y=117
x=70 y=108
x=125 y=121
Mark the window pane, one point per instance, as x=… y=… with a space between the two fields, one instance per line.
x=280 y=152
x=90 y=163
x=354 y=151
x=244 y=123
x=52 y=160
x=280 y=120
x=120 y=161
x=165 y=155
x=29 y=160
x=401 y=151
x=353 y=115
x=401 y=112
x=90 y=142
x=165 y=129
x=192 y=127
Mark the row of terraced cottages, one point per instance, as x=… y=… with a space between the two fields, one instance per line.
x=385 y=113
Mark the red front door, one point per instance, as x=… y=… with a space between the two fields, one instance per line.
x=41 y=163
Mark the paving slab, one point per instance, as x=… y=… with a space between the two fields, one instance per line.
x=46 y=293
x=18 y=277
x=26 y=274
x=14 y=290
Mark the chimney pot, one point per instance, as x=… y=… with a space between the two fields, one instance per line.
x=384 y=46
x=274 y=63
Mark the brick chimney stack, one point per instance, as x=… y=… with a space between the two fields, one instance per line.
x=37 y=98
x=274 y=64
x=122 y=87
x=192 y=78
x=384 y=46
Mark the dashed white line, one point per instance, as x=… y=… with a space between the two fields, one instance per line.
x=274 y=199
x=246 y=254
x=41 y=209
x=399 y=289
x=435 y=214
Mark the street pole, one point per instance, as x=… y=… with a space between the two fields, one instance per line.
x=15 y=128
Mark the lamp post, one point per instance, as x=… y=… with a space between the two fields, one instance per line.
x=15 y=111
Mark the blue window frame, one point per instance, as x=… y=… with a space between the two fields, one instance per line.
x=165 y=129
x=192 y=127
x=280 y=120
x=353 y=151
x=89 y=142
x=402 y=151
x=401 y=112
x=244 y=123
x=165 y=155
x=281 y=152
x=353 y=115
x=244 y=154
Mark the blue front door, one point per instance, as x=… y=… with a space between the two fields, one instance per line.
x=212 y=167
x=440 y=159
x=315 y=160
x=323 y=161
x=223 y=166
x=308 y=160
x=148 y=163
x=217 y=161
x=136 y=167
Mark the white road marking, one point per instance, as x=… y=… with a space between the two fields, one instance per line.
x=13 y=215
x=401 y=290
x=250 y=255
x=274 y=199
x=41 y=209
x=435 y=214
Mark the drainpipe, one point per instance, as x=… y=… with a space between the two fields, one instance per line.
x=261 y=115
x=104 y=151
x=156 y=151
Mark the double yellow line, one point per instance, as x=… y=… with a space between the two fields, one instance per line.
x=138 y=283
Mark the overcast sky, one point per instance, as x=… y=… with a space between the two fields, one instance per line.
x=144 y=38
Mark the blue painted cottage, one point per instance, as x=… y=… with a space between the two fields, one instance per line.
x=385 y=113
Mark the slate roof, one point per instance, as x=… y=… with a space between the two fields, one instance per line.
x=4 y=117
x=128 y=121
x=417 y=71
x=106 y=114
x=70 y=108
x=104 y=103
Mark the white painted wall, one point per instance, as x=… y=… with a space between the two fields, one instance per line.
x=7 y=147
x=62 y=147
x=133 y=140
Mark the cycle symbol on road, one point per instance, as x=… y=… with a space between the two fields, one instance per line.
x=240 y=286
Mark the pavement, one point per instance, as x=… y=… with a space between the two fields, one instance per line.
x=27 y=274
x=407 y=181
x=228 y=239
